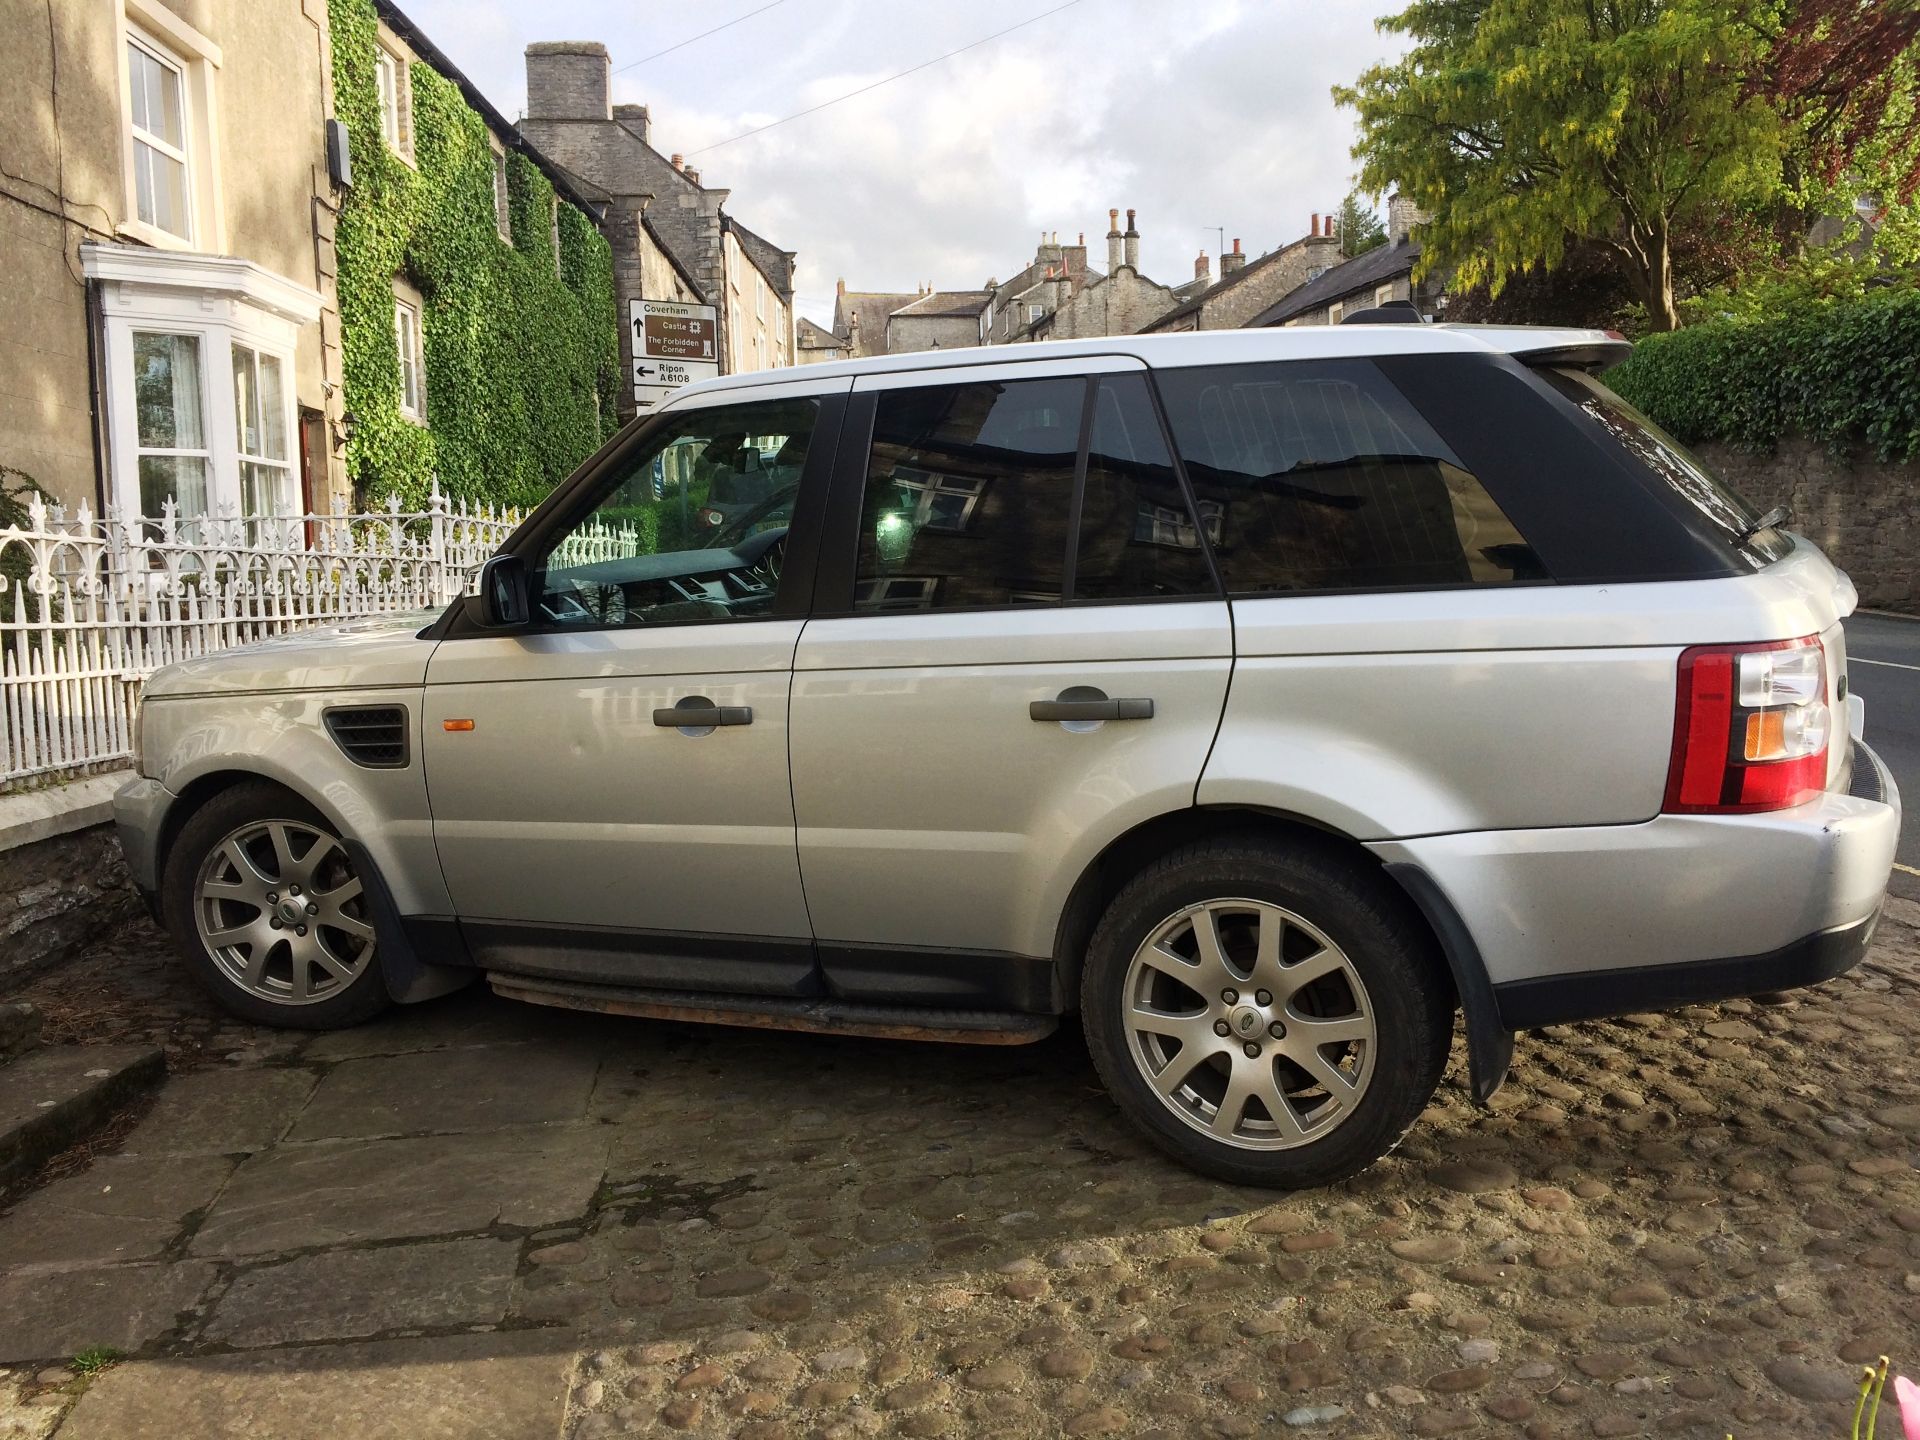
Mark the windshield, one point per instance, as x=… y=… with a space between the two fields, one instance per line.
x=1731 y=515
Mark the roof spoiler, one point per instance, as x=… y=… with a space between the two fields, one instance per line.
x=1592 y=356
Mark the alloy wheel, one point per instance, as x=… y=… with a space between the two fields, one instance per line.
x=1250 y=1024
x=282 y=913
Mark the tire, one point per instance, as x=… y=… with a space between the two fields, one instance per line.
x=306 y=961
x=1347 y=954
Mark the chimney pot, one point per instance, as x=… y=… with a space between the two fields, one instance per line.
x=677 y=160
x=841 y=287
x=1083 y=237
x=1236 y=244
x=1113 y=222
x=1316 y=224
x=1132 y=251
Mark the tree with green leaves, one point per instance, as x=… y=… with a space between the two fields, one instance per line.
x=1524 y=126
x=1360 y=227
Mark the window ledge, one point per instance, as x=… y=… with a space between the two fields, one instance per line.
x=150 y=235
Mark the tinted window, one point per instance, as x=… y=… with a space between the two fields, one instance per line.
x=1327 y=478
x=1672 y=465
x=1138 y=536
x=693 y=528
x=968 y=496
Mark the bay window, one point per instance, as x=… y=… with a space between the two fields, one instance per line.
x=172 y=457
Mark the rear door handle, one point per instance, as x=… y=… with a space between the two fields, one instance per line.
x=697 y=717
x=1070 y=710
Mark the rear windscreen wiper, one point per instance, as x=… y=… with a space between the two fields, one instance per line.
x=1778 y=515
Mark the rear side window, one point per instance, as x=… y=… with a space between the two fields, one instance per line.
x=1139 y=539
x=1319 y=475
x=969 y=495
x=1729 y=513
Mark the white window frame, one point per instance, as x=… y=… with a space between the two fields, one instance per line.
x=152 y=27
x=396 y=124
x=410 y=356
x=1383 y=294
x=289 y=495
x=1335 y=312
x=221 y=301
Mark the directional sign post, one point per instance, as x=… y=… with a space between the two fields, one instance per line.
x=673 y=345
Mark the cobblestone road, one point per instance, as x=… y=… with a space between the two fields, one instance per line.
x=1675 y=1225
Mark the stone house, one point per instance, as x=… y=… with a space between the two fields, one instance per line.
x=658 y=202
x=860 y=318
x=1036 y=290
x=814 y=344
x=1382 y=274
x=938 y=320
x=1121 y=302
x=167 y=326
x=1247 y=287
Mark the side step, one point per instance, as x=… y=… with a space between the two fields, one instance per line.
x=768 y=1012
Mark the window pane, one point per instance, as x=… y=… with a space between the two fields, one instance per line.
x=246 y=402
x=1138 y=538
x=166 y=391
x=264 y=489
x=169 y=193
x=695 y=530
x=969 y=491
x=273 y=409
x=180 y=478
x=157 y=103
x=1327 y=478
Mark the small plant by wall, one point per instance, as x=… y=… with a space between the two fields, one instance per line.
x=1845 y=374
x=522 y=354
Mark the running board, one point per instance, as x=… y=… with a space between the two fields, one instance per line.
x=821 y=1016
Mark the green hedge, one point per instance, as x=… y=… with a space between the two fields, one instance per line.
x=522 y=363
x=1844 y=373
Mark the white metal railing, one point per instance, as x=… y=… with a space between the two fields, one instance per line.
x=90 y=607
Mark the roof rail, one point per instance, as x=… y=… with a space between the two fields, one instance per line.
x=1393 y=312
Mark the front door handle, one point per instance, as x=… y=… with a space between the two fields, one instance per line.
x=702 y=716
x=1084 y=709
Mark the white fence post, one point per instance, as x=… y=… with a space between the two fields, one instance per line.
x=90 y=607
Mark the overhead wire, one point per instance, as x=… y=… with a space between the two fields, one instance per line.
x=888 y=80
x=681 y=45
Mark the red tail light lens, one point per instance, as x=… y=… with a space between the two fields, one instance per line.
x=1750 y=728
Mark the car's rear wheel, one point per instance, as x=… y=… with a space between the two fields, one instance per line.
x=271 y=913
x=1267 y=1015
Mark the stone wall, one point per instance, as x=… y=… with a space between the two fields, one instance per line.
x=1863 y=512
x=59 y=894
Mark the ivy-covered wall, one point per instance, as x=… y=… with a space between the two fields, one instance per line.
x=522 y=363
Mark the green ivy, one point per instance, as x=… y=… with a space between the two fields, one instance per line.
x=522 y=354
x=1845 y=373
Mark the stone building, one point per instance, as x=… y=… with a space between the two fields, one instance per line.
x=860 y=318
x=659 y=201
x=167 y=327
x=1247 y=287
x=938 y=320
x=1036 y=291
x=1121 y=302
x=813 y=344
x=1382 y=274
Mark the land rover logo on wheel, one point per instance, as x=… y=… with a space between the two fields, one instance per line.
x=1246 y=1021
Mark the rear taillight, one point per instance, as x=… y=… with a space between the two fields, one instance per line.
x=1749 y=728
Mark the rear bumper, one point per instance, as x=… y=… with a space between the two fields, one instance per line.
x=1575 y=924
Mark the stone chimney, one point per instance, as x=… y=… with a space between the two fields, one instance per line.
x=635 y=118
x=677 y=160
x=1073 y=261
x=1114 y=260
x=1133 y=244
x=1232 y=261
x=1202 y=267
x=1402 y=216
x=567 y=80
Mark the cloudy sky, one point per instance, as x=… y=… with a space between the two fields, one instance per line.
x=1204 y=116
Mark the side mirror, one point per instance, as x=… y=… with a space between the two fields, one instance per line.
x=499 y=598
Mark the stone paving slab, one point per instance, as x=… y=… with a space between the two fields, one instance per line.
x=122 y=1207
x=350 y=1192
x=464 y=1387
x=51 y=1315
x=229 y=1111
x=473 y=1016
x=355 y=1294
x=50 y=1099
x=480 y=1088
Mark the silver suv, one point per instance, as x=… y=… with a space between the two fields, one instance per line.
x=1265 y=697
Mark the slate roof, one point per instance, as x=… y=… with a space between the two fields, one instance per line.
x=964 y=304
x=1363 y=273
x=1221 y=286
x=872 y=307
x=769 y=259
x=809 y=336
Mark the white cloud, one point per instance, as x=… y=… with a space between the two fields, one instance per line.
x=1198 y=116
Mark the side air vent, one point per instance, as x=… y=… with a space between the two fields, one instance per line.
x=374 y=736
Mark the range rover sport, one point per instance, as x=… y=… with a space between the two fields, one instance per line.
x=1265 y=697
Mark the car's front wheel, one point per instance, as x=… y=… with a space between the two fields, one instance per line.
x=270 y=913
x=1269 y=1016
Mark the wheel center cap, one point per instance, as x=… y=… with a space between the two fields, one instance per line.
x=1246 y=1021
x=291 y=912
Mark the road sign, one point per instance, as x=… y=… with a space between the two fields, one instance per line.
x=673 y=345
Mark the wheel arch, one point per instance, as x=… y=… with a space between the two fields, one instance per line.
x=1490 y=1046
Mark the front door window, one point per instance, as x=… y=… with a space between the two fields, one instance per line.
x=692 y=529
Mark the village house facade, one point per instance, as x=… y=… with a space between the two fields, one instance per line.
x=1247 y=287
x=166 y=328
x=661 y=218
x=1377 y=277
